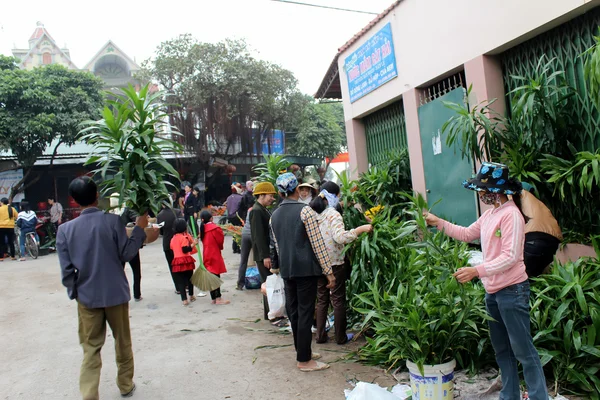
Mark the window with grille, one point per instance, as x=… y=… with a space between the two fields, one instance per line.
x=385 y=131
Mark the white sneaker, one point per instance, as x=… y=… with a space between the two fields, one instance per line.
x=201 y=294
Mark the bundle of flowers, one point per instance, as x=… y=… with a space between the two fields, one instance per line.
x=234 y=231
x=372 y=212
x=217 y=211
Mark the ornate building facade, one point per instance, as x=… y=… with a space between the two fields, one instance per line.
x=111 y=64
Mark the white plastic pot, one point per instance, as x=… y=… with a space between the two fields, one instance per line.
x=437 y=383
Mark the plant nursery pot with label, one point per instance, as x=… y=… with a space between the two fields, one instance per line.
x=435 y=384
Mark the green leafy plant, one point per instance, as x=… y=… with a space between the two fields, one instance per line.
x=130 y=151
x=271 y=168
x=579 y=176
x=473 y=129
x=414 y=307
x=565 y=316
x=540 y=108
x=591 y=69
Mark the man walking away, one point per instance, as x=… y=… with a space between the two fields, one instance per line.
x=92 y=250
x=303 y=258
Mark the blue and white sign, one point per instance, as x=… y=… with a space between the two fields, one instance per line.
x=372 y=65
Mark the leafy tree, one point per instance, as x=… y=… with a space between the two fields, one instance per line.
x=41 y=105
x=320 y=132
x=220 y=96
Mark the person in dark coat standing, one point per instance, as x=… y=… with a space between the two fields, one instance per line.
x=129 y=216
x=190 y=203
x=168 y=216
x=91 y=250
x=303 y=258
x=259 y=231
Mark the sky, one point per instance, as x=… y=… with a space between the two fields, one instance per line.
x=300 y=38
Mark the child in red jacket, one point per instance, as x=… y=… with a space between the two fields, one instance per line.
x=183 y=246
x=212 y=240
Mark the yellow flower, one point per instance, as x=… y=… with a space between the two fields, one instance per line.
x=372 y=212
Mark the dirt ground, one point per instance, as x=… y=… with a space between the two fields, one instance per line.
x=201 y=351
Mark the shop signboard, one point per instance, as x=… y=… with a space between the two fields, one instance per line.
x=372 y=65
x=8 y=179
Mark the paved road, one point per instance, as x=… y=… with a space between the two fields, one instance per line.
x=197 y=352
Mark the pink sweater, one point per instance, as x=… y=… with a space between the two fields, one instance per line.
x=501 y=231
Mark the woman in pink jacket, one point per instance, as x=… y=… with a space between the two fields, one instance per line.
x=501 y=232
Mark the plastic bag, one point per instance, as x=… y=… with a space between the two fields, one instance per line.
x=276 y=296
x=252 y=278
x=370 y=391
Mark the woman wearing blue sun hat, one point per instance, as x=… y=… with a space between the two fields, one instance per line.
x=501 y=231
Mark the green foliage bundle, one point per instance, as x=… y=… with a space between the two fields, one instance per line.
x=536 y=142
x=414 y=308
x=565 y=316
x=132 y=150
x=271 y=168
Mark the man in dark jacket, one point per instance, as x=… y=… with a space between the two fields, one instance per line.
x=92 y=250
x=303 y=258
x=168 y=216
x=259 y=230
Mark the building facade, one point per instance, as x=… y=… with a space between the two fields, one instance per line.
x=396 y=74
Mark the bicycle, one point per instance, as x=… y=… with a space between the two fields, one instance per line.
x=32 y=247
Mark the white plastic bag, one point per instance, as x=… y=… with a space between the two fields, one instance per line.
x=370 y=391
x=275 y=296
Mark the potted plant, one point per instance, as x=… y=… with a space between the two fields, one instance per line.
x=423 y=315
x=129 y=150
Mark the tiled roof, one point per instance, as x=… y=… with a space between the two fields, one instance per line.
x=369 y=26
x=39 y=31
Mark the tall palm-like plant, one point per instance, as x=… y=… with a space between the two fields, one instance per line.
x=475 y=129
x=130 y=151
x=271 y=168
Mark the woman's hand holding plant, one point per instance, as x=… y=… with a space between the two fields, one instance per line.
x=464 y=275
x=364 y=229
x=432 y=220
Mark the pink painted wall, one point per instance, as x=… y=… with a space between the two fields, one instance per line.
x=413 y=133
x=484 y=73
x=357 y=147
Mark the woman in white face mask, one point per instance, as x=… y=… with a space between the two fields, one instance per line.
x=501 y=230
x=307 y=191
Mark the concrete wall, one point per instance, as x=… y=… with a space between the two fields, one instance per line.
x=435 y=38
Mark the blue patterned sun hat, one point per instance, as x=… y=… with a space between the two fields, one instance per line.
x=287 y=183
x=493 y=178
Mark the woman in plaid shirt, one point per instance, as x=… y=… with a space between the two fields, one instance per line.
x=335 y=236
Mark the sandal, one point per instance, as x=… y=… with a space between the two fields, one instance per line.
x=319 y=367
x=193 y=298
x=222 y=302
x=315 y=356
x=185 y=302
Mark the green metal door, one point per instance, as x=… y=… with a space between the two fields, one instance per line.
x=445 y=170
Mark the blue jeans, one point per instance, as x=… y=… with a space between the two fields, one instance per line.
x=22 y=241
x=511 y=339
